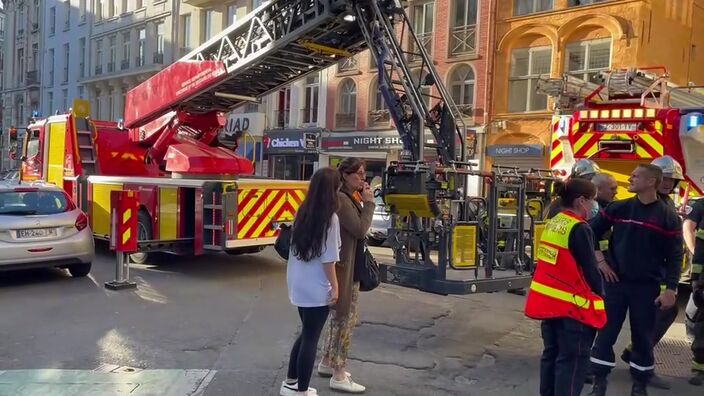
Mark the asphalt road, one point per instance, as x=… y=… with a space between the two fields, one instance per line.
x=222 y=325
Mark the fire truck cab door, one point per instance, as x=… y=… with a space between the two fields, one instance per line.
x=55 y=152
x=32 y=155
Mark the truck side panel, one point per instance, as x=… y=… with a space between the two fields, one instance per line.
x=56 y=153
x=99 y=197
x=168 y=213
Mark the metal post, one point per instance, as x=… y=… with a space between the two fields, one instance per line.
x=122 y=274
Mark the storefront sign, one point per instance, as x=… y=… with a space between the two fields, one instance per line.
x=360 y=142
x=237 y=123
x=515 y=150
x=290 y=142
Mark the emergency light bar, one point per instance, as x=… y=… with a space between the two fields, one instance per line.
x=617 y=113
x=695 y=120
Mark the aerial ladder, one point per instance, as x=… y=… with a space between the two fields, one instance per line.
x=282 y=41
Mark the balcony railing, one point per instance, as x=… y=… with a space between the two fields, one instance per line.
x=467 y=110
x=281 y=118
x=125 y=64
x=32 y=77
x=309 y=116
x=139 y=61
x=345 y=120
x=111 y=67
x=426 y=40
x=349 y=64
x=159 y=58
x=98 y=70
x=463 y=40
x=379 y=118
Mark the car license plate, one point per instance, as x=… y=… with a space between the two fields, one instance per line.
x=36 y=233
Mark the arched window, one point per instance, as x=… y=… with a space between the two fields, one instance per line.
x=462 y=88
x=378 y=110
x=378 y=102
x=347 y=107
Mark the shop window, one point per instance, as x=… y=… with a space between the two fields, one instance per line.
x=347 y=108
x=523 y=7
x=463 y=33
x=587 y=59
x=462 y=89
x=528 y=65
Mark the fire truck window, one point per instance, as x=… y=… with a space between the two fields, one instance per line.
x=33 y=144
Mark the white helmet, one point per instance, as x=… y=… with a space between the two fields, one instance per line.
x=670 y=167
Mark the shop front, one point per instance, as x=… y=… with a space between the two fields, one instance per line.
x=524 y=156
x=291 y=154
x=247 y=131
x=376 y=148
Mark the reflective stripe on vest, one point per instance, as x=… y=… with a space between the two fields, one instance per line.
x=699 y=234
x=604 y=245
x=561 y=295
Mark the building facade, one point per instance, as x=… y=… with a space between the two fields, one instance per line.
x=457 y=34
x=550 y=38
x=22 y=54
x=66 y=28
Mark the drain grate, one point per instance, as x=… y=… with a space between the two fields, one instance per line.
x=673 y=357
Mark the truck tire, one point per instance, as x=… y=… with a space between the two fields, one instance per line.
x=246 y=250
x=144 y=232
x=79 y=270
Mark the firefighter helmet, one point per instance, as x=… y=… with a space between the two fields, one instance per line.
x=585 y=168
x=670 y=167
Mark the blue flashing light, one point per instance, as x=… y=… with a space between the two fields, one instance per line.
x=694 y=120
x=35 y=114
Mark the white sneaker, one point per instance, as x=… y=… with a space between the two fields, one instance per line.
x=346 y=385
x=326 y=371
x=292 y=389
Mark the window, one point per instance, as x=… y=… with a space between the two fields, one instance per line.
x=577 y=3
x=80 y=91
x=64 y=100
x=424 y=89
x=67 y=15
x=98 y=10
x=20 y=64
x=186 y=38
x=231 y=14
x=208 y=18
x=464 y=29
x=50 y=103
x=347 y=108
x=82 y=10
x=111 y=104
x=35 y=56
x=99 y=56
x=67 y=56
x=51 y=68
x=586 y=59
x=527 y=66
x=98 y=104
x=2 y=26
x=112 y=54
x=312 y=87
x=523 y=7
x=378 y=111
x=462 y=89
x=423 y=20
x=115 y=9
x=124 y=6
x=52 y=20
x=142 y=37
x=283 y=108
x=126 y=37
x=160 y=38
x=138 y=4
x=82 y=54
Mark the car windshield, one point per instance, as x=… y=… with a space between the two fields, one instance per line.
x=33 y=202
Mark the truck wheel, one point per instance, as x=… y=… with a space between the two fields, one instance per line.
x=79 y=270
x=247 y=250
x=144 y=233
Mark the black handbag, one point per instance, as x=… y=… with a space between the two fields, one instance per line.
x=283 y=241
x=366 y=269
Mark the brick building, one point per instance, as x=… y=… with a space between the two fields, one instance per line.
x=549 y=38
x=456 y=33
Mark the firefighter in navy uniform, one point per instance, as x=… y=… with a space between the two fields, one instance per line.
x=582 y=169
x=565 y=292
x=644 y=252
x=694 y=239
x=672 y=175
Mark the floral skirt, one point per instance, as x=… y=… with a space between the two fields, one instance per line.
x=338 y=335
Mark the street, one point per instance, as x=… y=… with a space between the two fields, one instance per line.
x=222 y=325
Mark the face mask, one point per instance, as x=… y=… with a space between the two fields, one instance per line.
x=593 y=211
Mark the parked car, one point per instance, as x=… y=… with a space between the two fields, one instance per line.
x=381 y=221
x=40 y=226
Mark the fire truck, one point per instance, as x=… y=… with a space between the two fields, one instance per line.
x=197 y=196
x=635 y=116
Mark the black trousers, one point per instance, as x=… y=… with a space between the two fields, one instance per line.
x=663 y=321
x=565 y=360
x=302 y=359
x=638 y=301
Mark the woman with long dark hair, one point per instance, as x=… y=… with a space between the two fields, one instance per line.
x=312 y=283
x=355 y=213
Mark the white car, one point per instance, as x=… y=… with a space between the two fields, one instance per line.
x=40 y=226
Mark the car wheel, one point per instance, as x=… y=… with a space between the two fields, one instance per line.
x=79 y=270
x=144 y=233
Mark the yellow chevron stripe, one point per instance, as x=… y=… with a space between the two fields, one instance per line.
x=250 y=223
x=658 y=127
x=652 y=142
x=242 y=211
x=641 y=153
x=261 y=230
x=301 y=196
x=581 y=142
x=126 y=216
x=593 y=149
x=126 y=236
x=575 y=127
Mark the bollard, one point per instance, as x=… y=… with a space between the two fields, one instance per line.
x=124 y=207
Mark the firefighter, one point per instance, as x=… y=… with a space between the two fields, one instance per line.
x=565 y=292
x=645 y=251
x=582 y=169
x=672 y=175
x=694 y=239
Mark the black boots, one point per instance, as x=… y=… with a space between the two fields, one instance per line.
x=599 y=387
x=639 y=389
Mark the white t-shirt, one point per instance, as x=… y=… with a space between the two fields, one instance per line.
x=307 y=284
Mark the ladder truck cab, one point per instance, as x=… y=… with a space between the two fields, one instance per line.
x=197 y=193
